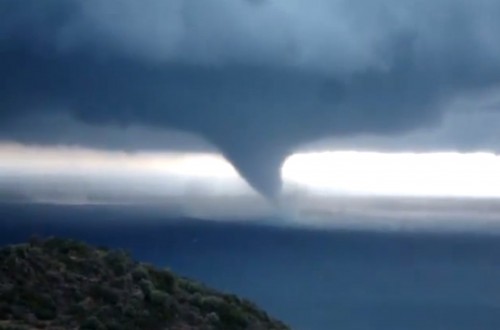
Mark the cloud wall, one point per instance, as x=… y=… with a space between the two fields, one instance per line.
x=256 y=78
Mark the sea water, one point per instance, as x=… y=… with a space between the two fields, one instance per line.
x=310 y=279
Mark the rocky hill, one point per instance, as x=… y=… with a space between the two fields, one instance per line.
x=65 y=284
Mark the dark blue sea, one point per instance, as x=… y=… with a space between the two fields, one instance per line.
x=311 y=279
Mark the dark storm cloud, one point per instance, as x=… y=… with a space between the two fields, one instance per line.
x=461 y=131
x=256 y=78
x=60 y=129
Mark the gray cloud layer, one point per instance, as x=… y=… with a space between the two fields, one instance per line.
x=256 y=78
x=462 y=131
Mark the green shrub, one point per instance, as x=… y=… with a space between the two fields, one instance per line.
x=17 y=312
x=146 y=286
x=13 y=327
x=113 y=325
x=104 y=293
x=119 y=283
x=66 y=246
x=196 y=299
x=232 y=316
x=162 y=279
x=45 y=313
x=35 y=240
x=63 y=284
x=92 y=323
x=4 y=310
x=211 y=303
x=139 y=273
x=158 y=298
x=213 y=318
x=38 y=303
x=106 y=312
x=21 y=252
x=228 y=313
x=118 y=261
x=78 y=310
x=191 y=286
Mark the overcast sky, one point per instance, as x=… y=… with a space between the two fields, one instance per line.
x=254 y=79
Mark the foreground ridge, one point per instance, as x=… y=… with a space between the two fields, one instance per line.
x=65 y=284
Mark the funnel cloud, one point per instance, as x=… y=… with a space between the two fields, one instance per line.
x=255 y=78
